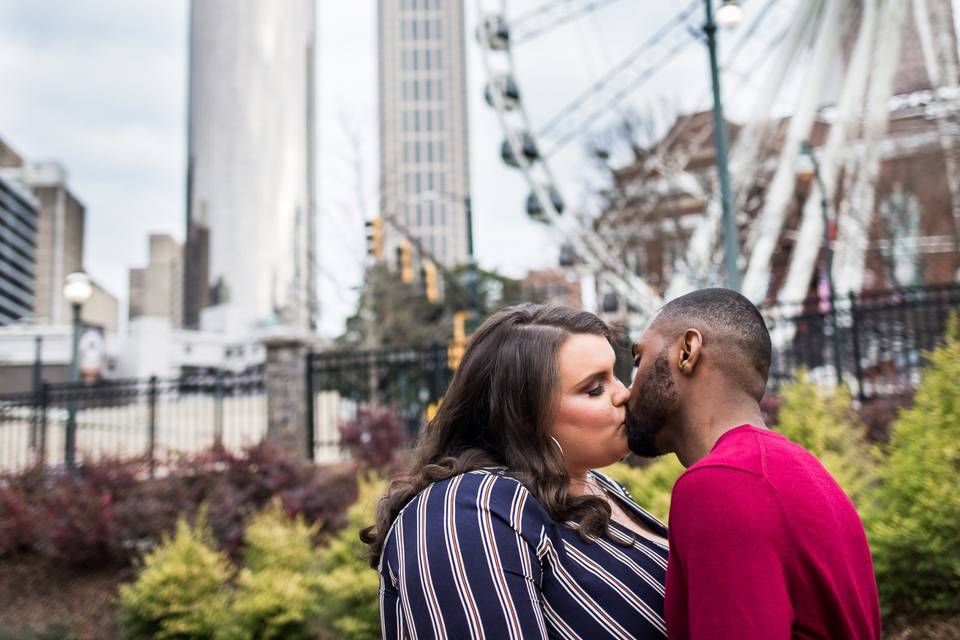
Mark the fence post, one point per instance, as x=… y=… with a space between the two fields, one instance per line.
x=218 y=411
x=855 y=336
x=152 y=423
x=286 y=392
x=310 y=400
x=43 y=400
x=440 y=362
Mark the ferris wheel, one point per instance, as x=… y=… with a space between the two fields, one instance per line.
x=811 y=40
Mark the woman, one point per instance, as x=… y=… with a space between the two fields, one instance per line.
x=502 y=529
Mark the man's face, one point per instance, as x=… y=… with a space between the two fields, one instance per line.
x=654 y=400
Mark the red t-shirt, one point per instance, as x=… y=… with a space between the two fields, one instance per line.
x=764 y=544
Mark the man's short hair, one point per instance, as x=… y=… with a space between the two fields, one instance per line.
x=732 y=327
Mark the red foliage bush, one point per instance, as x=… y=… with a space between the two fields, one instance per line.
x=111 y=511
x=373 y=437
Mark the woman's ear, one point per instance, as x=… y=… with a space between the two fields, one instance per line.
x=691 y=343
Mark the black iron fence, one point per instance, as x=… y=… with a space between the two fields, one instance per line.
x=409 y=381
x=874 y=342
x=152 y=418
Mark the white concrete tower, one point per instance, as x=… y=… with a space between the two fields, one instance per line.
x=424 y=157
x=250 y=193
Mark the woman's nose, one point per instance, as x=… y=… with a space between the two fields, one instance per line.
x=620 y=395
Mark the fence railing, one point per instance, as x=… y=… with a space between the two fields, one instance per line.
x=152 y=418
x=406 y=380
x=874 y=342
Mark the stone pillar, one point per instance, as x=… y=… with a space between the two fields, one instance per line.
x=285 y=377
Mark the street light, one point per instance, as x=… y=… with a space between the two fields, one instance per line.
x=809 y=167
x=727 y=15
x=77 y=290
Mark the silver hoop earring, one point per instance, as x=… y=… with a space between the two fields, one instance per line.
x=557 y=442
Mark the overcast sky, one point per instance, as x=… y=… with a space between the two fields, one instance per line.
x=100 y=85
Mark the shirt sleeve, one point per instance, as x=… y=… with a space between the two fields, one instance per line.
x=726 y=576
x=466 y=563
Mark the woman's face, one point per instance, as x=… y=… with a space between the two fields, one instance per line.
x=591 y=410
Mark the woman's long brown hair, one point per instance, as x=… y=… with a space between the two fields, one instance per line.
x=496 y=413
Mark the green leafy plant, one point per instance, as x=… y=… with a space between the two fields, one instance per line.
x=350 y=589
x=181 y=591
x=277 y=593
x=915 y=529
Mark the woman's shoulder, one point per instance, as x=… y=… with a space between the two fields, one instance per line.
x=490 y=489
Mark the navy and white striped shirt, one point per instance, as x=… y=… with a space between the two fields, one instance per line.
x=476 y=556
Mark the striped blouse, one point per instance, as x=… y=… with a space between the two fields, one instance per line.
x=476 y=556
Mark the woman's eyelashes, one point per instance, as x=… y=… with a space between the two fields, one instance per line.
x=596 y=391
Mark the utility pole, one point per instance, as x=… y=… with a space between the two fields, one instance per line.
x=731 y=242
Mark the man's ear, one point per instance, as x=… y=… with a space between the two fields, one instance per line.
x=691 y=342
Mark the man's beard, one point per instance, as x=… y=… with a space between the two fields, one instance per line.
x=656 y=401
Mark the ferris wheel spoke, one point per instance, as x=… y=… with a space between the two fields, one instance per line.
x=631 y=60
x=549 y=15
x=608 y=100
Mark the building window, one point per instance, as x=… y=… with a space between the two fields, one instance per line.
x=440 y=151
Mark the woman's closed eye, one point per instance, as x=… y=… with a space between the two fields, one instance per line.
x=596 y=391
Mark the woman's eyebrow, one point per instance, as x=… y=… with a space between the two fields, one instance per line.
x=599 y=375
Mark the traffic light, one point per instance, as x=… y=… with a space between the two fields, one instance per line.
x=459 y=342
x=405 y=260
x=374 y=230
x=430 y=283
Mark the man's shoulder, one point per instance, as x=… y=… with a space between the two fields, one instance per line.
x=740 y=450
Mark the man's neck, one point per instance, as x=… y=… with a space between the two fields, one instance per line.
x=703 y=426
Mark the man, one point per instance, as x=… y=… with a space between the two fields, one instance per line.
x=763 y=542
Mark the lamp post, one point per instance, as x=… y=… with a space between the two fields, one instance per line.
x=77 y=290
x=728 y=15
x=809 y=167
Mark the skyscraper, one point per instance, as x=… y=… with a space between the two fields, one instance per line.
x=157 y=289
x=424 y=159
x=250 y=176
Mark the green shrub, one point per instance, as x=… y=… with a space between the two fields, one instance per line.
x=181 y=591
x=915 y=531
x=822 y=420
x=275 y=541
x=650 y=485
x=273 y=604
x=350 y=589
x=277 y=593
